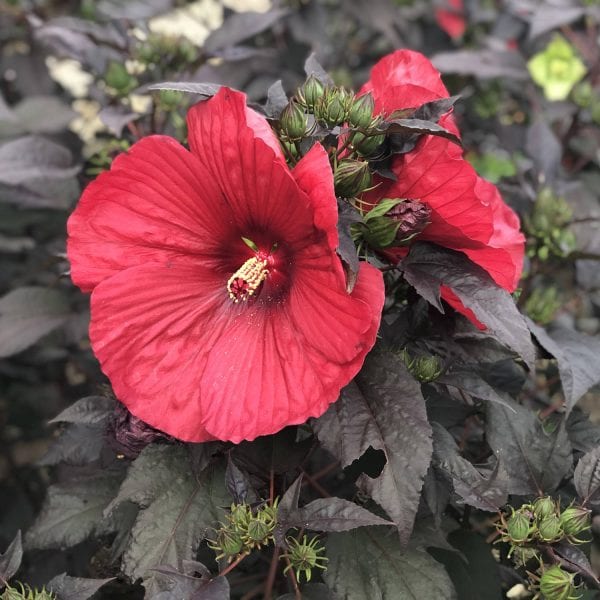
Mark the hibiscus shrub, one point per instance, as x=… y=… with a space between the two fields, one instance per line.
x=337 y=330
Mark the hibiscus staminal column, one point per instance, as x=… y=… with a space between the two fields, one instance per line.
x=247 y=279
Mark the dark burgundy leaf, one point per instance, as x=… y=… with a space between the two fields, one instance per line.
x=75 y=588
x=587 y=476
x=411 y=126
x=276 y=100
x=346 y=249
x=241 y=26
x=482 y=63
x=132 y=9
x=547 y=17
x=544 y=149
x=206 y=90
x=313 y=67
x=116 y=117
x=10 y=561
x=238 y=484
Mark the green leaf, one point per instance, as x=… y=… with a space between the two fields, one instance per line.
x=10 y=561
x=366 y=564
x=535 y=460
x=72 y=511
x=385 y=410
x=27 y=314
x=577 y=357
x=75 y=588
x=179 y=509
x=428 y=267
x=381 y=208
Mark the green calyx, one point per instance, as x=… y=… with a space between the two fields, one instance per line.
x=518 y=526
x=549 y=529
x=544 y=507
x=293 y=121
x=557 y=584
x=361 y=111
x=575 y=520
x=24 y=592
x=304 y=556
x=424 y=368
x=310 y=93
x=351 y=178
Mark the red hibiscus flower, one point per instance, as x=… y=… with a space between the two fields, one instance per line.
x=467 y=212
x=451 y=18
x=219 y=306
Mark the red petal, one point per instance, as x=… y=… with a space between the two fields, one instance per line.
x=452 y=19
x=255 y=180
x=454 y=301
x=314 y=176
x=156 y=203
x=405 y=67
x=280 y=367
x=152 y=327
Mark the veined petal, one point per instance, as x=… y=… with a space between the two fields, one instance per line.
x=267 y=370
x=157 y=202
x=255 y=180
x=152 y=327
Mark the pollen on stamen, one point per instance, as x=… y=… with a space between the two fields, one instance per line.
x=247 y=279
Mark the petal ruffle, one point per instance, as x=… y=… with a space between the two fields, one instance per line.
x=156 y=203
x=405 y=67
x=151 y=329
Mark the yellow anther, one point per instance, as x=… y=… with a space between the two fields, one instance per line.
x=247 y=279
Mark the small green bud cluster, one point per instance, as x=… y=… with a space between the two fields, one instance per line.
x=547 y=226
x=304 y=555
x=246 y=529
x=102 y=160
x=118 y=79
x=542 y=304
x=166 y=52
x=424 y=368
x=347 y=121
x=24 y=592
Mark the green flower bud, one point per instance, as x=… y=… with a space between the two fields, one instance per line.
x=228 y=543
x=583 y=94
x=304 y=556
x=332 y=107
x=544 y=507
x=556 y=584
x=424 y=368
x=351 y=178
x=518 y=527
x=361 y=111
x=257 y=530
x=310 y=93
x=549 y=528
x=575 y=519
x=26 y=593
x=119 y=79
x=293 y=122
x=366 y=144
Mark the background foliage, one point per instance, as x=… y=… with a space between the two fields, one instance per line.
x=490 y=428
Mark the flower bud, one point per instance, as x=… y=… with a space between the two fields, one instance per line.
x=583 y=94
x=293 y=121
x=332 y=107
x=549 y=529
x=575 y=519
x=556 y=584
x=119 y=79
x=257 y=530
x=351 y=178
x=361 y=111
x=310 y=93
x=25 y=592
x=304 y=556
x=518 y=527
x=424 y=368
x=129 y=435
x=228 y=543
x=413 y=216
x=544 y=507
x=366 y=144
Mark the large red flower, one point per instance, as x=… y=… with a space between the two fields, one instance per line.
x=467 y=212
x=219 y=305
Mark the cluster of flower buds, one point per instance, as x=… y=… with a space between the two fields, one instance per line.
x=24 y=592
x=304 y=555
x=544 y=523
x=334 y=111
x=542 y=304
x=547 y=226
x=246 y=529
x=424 y=368
x=168 y=52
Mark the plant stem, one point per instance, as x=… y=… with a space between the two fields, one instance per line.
x=233 y=565
x=272 y=574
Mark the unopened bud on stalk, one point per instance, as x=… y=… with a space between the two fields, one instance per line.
x=549 y=529
x=413 y=217
x=332 y=107
x=518 y=527
x=575 y=519
x=544 y=507
x=351 y=178
x=556 y=584
x=366 y=144
x=361 y=111
x=293 y=121
x=310 y=93
x=424 y=368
